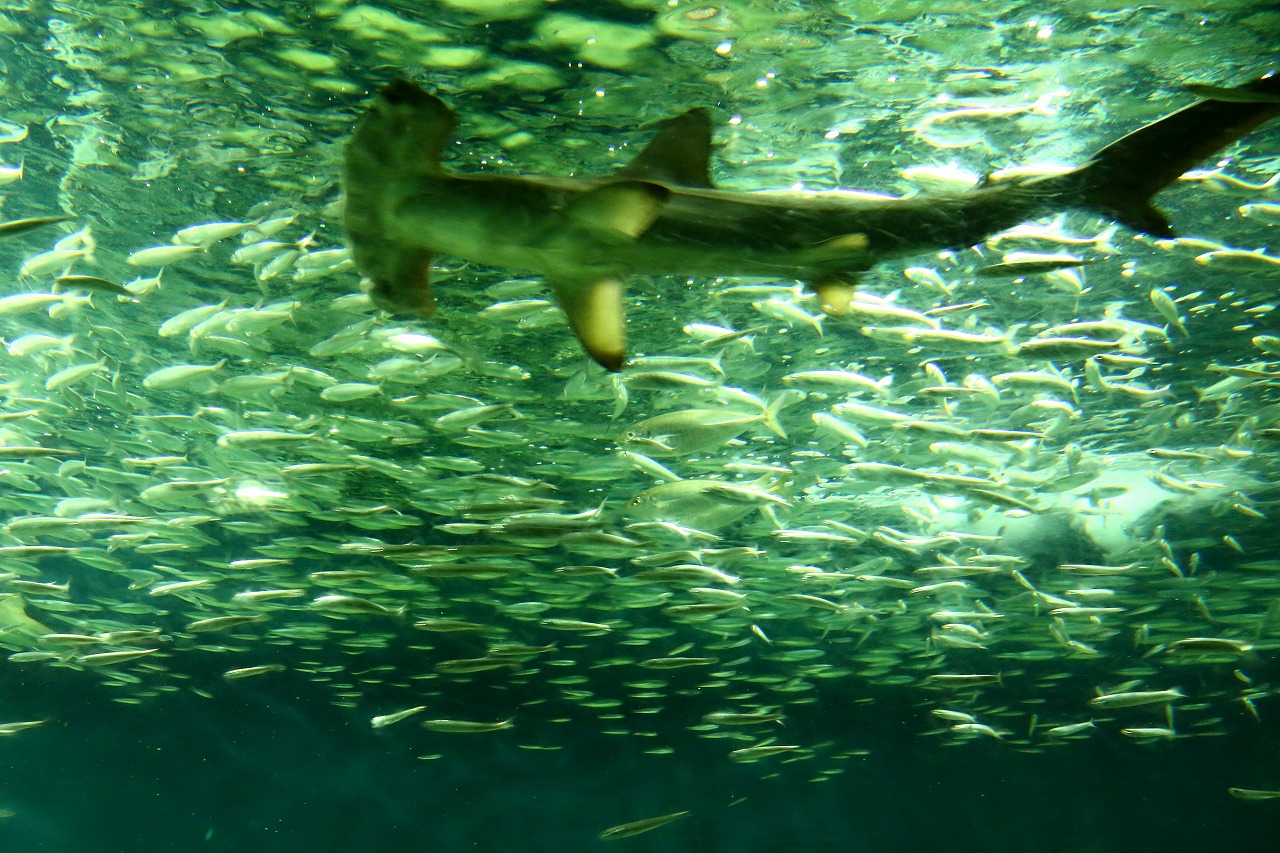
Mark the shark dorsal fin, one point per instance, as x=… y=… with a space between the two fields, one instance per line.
x=679 y=154
x=425 y=122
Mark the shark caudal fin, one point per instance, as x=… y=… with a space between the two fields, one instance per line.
x=1120 y=180
x=399 y=137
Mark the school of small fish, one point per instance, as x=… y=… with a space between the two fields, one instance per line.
x=1031 y=486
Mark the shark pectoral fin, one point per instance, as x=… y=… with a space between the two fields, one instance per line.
x=679 y=153
x=595 y=313
x=620 y=210
x=401 y=284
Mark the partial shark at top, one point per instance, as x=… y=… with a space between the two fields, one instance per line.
x=661 y=215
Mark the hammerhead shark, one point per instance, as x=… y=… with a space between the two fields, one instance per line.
x=661 y=214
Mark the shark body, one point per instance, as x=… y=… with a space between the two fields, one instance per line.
x=661 y=214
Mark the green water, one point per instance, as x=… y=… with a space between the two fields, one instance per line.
x=867 y=609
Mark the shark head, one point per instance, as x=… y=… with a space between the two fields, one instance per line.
x=399 y=138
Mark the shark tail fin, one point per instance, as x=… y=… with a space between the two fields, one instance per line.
x=1120 y=180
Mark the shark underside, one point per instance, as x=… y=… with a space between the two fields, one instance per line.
x=661 y=215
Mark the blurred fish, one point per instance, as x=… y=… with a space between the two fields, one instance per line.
x=14 y=227
x=635 y=827
x=93 y=284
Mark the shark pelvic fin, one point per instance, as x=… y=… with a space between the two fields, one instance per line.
x=622 y=210
x=595 y=314
x=834 y=295
x=679 y=154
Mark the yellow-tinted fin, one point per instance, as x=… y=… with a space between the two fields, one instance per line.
x=846 y=250
x=15 y=625
x=594 y=310
x=618 y=211
x=679 y=153
x=834 y=295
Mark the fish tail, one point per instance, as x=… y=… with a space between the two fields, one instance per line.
x=1120 y=180
x=770 y=415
